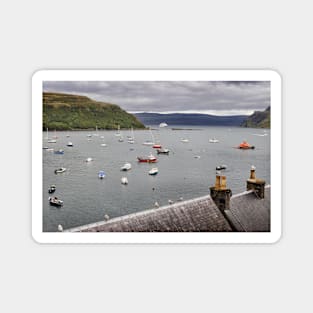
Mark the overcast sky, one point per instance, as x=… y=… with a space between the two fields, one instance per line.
x=220 y=98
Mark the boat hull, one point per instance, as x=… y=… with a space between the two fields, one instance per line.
x=163 y=151
x=147 y=160
x=55 y=202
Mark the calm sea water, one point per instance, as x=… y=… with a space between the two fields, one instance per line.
x=87 y=198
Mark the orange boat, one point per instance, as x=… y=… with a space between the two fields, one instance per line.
x=245 y=145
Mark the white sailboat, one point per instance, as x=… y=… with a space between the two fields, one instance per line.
x=96 y=134
x=118 y=134
x=55 y=134
x=149 y=142
x=50 y=140
x=131 y=139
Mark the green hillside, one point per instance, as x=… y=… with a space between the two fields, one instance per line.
x=259 y=119
x=66 y=112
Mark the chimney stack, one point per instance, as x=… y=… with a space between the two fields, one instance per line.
x=220 y=193
x=256 y=184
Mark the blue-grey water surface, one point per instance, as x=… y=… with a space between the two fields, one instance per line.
x=87 y=198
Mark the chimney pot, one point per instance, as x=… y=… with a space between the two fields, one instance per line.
x=255 y=184
x=220 y=194
x=223 y=182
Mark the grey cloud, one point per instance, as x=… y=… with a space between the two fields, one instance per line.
x=159 y=96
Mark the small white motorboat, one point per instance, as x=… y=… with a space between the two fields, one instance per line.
x=103 y=145
x=153 y=171
x=221 y=167
x=55 y=201
x=60 y=151
x=184 y=140
x=60 y=170
x=126 y=167
x=70 y=144
x=148 y=143
x=163 y=124
x=89 y=159
x=124 y=180
x=163 y=151
x=213 y=140
x=52 y=189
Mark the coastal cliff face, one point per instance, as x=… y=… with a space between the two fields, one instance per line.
x=259 y=119
x=66 y=112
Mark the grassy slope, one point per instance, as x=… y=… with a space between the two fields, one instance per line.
x=259 y=119
x=64 y=111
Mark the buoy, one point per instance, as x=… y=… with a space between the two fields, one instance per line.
x=156 y=204
x=60 y=228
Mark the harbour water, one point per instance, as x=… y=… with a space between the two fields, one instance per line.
x=187 y=172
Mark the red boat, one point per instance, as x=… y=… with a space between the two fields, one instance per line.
x=157 y=146
x=245 y=145
x=149 y=159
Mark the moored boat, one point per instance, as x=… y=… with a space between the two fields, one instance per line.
x=163 y=124
x=89 y=160
x=126 y=167
x=118 y=134
x=157 y=146
x=55 y=201
x=60 y=170
x=131 y=139
x=70 y=144
x=124 y=180
x=184 y=140
x=52 y=189
x=213 y=140
x=149 y=159
x=244 y=145
x=221 y=167
x=60 y=151
x=153 y=171
x=148 y=143
x=163 y=151
x=101 y=174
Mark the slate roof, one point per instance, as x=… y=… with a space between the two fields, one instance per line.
x=196 y=215
x=247 y=213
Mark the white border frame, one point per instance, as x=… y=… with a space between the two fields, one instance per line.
x=154 y=75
